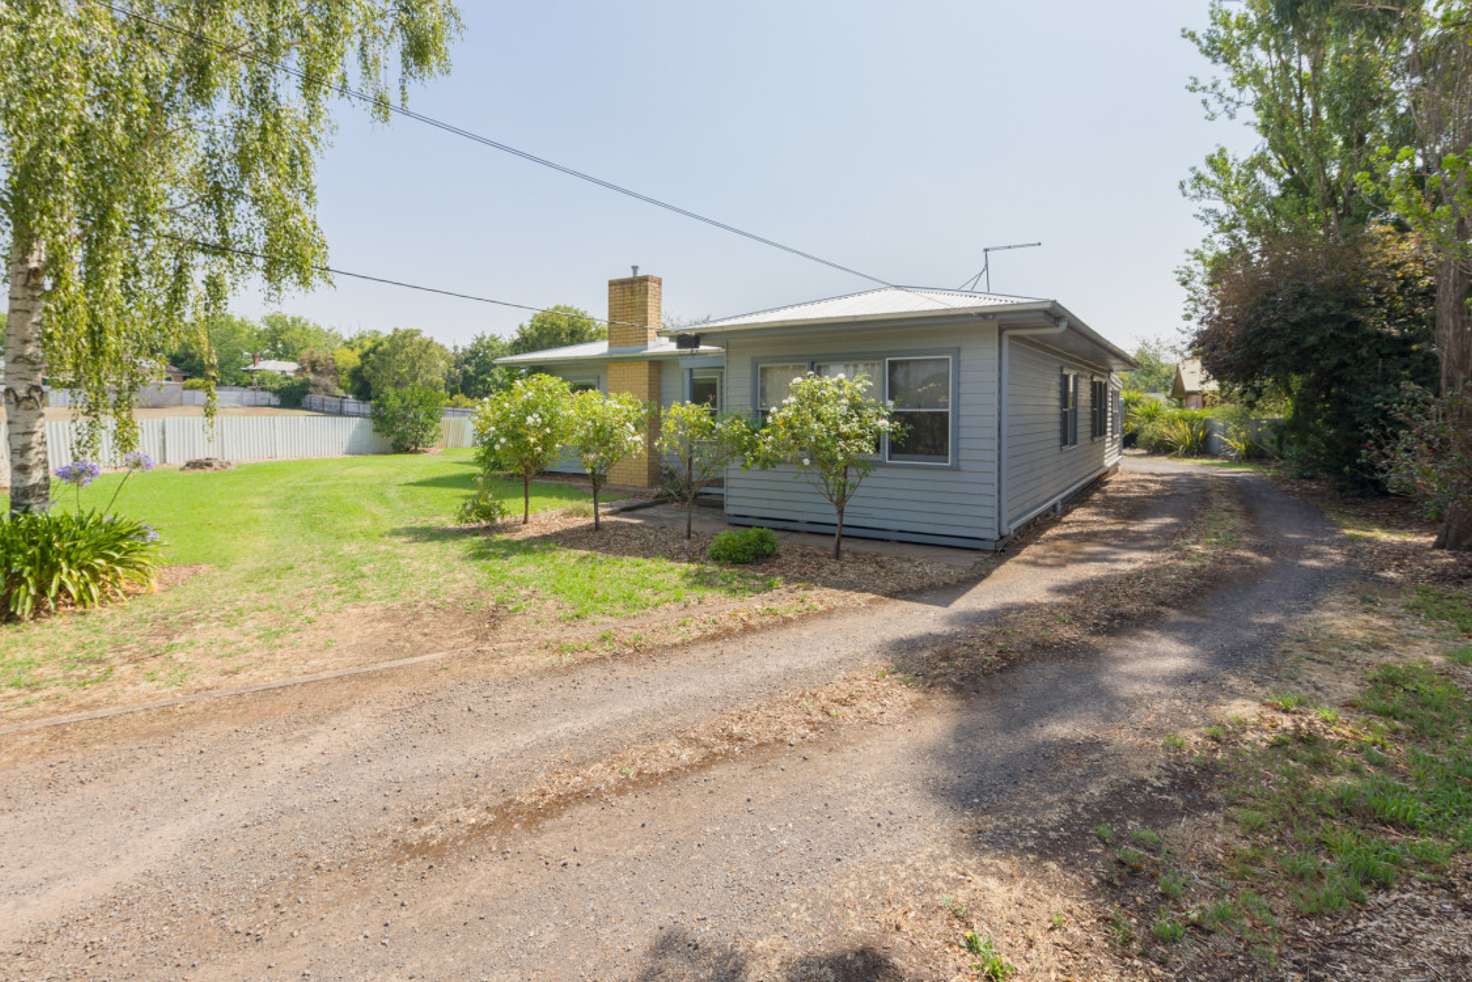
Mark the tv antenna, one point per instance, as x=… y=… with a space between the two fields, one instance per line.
x=986 y=264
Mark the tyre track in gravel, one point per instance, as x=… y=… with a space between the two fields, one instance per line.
x=752 y=870
x=192 y=814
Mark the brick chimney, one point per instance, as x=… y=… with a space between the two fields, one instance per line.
x=634 y=317
x=633 y=310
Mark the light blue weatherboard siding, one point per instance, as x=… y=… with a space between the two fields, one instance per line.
x=1038 y=467
x=955 y=502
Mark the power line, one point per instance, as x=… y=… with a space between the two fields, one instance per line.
x=335 y=271
x=348 y=92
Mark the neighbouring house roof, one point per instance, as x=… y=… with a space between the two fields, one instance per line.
x=267 y=365
x=909 y=306
x=599 y=351
x=1191 y=378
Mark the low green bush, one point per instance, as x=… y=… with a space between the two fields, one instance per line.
x=196 y=384
x=483 y=507
x=60 y=559
x=743 y=546
x=409 y=417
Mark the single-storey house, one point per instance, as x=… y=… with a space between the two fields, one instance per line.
x=1192 y=385
x=1009 y=404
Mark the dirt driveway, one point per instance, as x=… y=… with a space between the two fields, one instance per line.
x=413 y=824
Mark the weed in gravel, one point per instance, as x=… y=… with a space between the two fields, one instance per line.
x=1215 y=732
x=990 y=965
x=1328 y=714
x=1461 y=656
x=1104 y=832
x=1174 y=741
x=955 y=908
x=1286 y=701
x=1167 y=930
x=1056 y=921
x=1131 y=857
x=1121 y=931
x=1171 y=884
x=1148 y=838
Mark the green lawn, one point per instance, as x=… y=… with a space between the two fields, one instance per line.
x=289 y=544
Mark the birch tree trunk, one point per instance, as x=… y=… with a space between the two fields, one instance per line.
x=25 y=399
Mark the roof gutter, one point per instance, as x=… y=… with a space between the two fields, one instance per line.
x=1004 y=336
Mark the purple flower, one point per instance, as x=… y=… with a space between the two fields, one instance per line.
x=80 y=473
x=148 y=534
x=137 y=460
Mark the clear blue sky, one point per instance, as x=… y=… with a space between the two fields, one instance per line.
x=895 y=138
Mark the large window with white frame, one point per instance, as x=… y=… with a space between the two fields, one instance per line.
x=919 y=387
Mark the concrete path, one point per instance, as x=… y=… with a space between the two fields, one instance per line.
x=252 y=839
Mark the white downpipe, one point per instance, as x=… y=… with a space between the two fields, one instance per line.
x=1004 y=527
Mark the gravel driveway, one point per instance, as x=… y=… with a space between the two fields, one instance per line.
x=258 y=836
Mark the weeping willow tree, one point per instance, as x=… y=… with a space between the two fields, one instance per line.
x=154 y=154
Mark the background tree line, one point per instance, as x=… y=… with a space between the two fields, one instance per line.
x=367 y=364
x=1336 y=270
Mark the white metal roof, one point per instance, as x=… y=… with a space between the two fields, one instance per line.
x=886 y=300
x=594 y=350
x=269 y=365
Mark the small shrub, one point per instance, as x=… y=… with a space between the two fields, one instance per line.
x=196 y=384
x=1171 y=885
x=481 y=508
x=743 y=546
x=1148 y=838
x=57 y=559
x=1104 y=832
x=409 y=418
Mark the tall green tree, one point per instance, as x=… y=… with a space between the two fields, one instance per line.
x=149 y=153
x=406 y=357
x=1157 y=360
x=1427 y=181
x=557 y=327
x=473 y=369
x=225 y=349
x=290 y=336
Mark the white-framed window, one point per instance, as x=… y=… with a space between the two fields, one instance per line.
x=1098 y=409
x=1068 y=392
x=705 y=387
x=919 y=386
x=871 y=368
x=583 y=384
x=773 y=381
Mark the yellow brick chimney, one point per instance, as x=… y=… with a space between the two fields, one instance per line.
x=634 y=312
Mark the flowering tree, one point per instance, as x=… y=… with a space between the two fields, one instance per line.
x=605 y=430
x=521 y=430
x=829 y=429
x=703 y=444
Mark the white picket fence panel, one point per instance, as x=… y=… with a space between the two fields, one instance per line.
x=176 y=439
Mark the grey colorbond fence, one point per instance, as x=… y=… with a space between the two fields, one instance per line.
x=176 y=439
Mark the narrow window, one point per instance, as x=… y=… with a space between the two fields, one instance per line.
x=920 y=389
x=1067 y=408
x=1098 y=409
